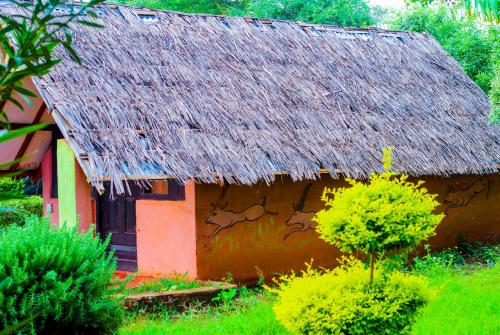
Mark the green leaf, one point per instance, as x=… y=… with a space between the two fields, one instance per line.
x=72 y=52
x=26 y=100
x=15 y=102
x=24 y=91
x=10 y=134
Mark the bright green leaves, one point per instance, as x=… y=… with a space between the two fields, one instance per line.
x=341 y=301
x=352 y=13
x=487 y=9
x=56 y=281
x=385 y=214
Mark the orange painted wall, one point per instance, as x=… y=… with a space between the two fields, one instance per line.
x=84 y=205
x=240 y=248
x=166 y=235
x=84 y=202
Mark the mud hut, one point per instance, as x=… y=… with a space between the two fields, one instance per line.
x=203 y=143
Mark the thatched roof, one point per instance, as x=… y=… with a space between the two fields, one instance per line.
x=164 y=94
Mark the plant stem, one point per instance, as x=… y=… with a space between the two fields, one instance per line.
x=372 y=267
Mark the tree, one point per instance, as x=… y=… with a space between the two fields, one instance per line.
x=353 y=13
x=473 y=47
x=387 y=214
x=495 y=85
x=219 y=7
x=485 y=9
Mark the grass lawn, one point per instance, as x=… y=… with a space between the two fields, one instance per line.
x=251 y=315
x=467 y=303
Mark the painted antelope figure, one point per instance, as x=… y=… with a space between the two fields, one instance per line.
x=462 y=197
x=300 y=220
x=225 y=218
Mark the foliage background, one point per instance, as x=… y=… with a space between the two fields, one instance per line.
x=15 y=206
x=471 y=44
x=355 y=13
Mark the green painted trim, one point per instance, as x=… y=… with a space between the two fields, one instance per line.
x=66 y=185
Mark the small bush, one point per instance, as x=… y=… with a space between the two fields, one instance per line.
x=387 y=214
x=342 y=301
x=380 y=216
x=17 y=211
x=58 y=280
x=11 y=186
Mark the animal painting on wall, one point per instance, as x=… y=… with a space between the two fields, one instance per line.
x=224 y=218
x=462 y=197
x=300 y=220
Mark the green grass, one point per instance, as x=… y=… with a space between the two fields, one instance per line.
x=252 y=314
x=466 y=304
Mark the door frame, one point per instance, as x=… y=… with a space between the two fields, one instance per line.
x=176 y=193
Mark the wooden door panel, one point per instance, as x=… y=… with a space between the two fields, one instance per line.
x=130 y=215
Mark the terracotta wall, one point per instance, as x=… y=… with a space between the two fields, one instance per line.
x=250 y=227
x=85 y=205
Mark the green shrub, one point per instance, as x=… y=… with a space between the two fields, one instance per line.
x=387 y=214
x=17 y=211
x=342 y=301
x=11 y=186
x=383 y=216
x=57 y=279
x=464 y=256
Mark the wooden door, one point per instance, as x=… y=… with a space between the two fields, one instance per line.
x=118 y=219
x=116 y=216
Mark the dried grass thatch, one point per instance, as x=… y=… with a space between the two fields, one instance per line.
x=164 y=94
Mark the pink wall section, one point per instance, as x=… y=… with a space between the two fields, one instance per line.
x=85 y=204
x=47 y=183
x=166 y=236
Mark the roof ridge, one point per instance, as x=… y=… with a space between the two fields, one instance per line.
x=296 y=22
x=270 y=21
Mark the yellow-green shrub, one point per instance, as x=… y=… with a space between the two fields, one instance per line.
x=342 y=301
x=385 y=214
